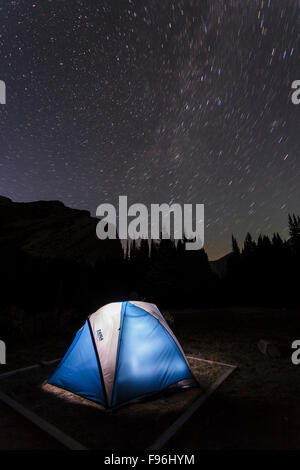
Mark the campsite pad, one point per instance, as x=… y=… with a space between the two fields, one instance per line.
x=135 y=426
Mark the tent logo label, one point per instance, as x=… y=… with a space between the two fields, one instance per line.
x=100 y=335
x=2 y=352
x=171 y=220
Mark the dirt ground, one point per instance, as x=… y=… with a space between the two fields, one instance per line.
x=135 y=426
x=19 y=434
x=257 y=407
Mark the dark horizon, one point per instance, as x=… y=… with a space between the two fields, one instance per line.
x=127 y=242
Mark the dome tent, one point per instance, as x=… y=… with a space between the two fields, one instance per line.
x=124 y=352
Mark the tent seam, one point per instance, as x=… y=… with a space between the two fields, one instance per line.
x=123 y=310
x=99 y=364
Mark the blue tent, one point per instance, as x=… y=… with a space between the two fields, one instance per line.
x=124 y=352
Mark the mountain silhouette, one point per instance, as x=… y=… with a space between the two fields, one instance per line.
x=49 y=229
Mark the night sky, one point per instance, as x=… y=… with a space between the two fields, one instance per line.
x=163 y=101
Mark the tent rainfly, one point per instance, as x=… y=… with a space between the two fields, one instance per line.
x=125 y=352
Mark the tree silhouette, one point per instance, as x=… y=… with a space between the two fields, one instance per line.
x=235 y=246
x=294 y=226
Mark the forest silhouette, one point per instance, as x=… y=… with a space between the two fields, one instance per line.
x=39 y=296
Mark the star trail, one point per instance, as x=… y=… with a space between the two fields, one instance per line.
x=163 y=101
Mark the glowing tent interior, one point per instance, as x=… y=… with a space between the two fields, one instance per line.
x=125 y=352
